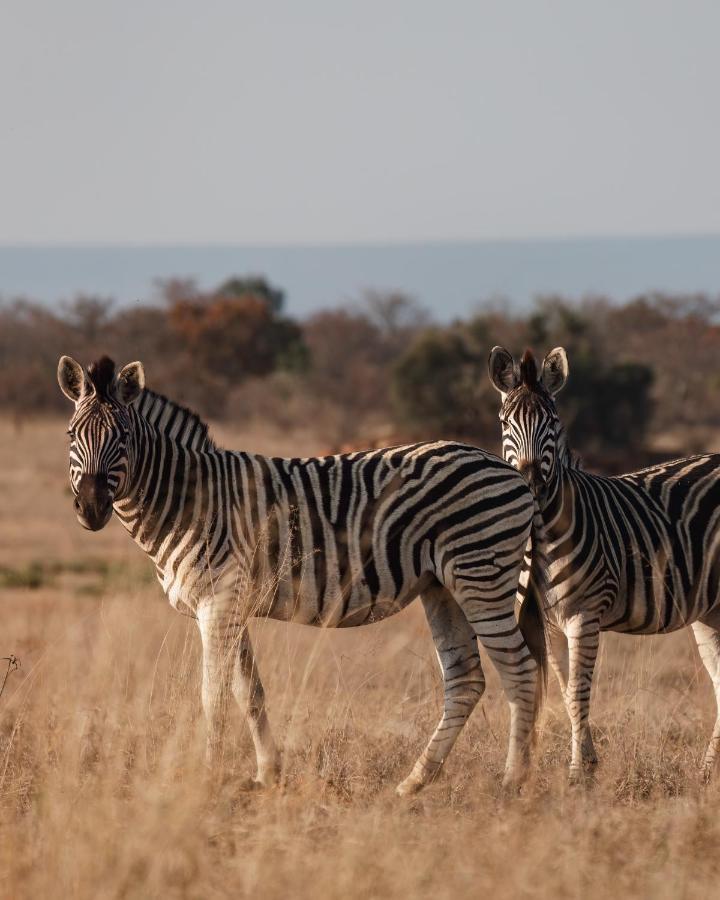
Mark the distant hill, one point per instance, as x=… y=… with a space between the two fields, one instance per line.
x=450 y=278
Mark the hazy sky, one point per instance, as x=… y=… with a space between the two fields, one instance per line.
x=289 y=121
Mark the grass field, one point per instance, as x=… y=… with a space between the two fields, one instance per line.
x=103 y=792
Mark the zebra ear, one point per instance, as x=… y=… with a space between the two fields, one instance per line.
x=502 y=369
x=555 y=370
x=129 y=383
x=72 y=378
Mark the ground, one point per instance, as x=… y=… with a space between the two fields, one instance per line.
x=103 y=792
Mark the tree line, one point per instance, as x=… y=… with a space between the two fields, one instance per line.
x=644 y=374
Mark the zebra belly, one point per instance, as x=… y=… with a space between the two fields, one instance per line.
x=340 y=608
x=640 y=626
x=323 y=597
x=644 y=602
x=654 y=608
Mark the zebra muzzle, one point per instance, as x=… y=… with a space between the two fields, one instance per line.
x=531 y=472
x=93 y=502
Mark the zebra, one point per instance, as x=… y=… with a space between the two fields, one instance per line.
x=334 y=541
x=636 y=553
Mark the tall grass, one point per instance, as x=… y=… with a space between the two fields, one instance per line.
x=104 y=793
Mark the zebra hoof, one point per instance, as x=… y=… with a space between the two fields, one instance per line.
x=511 y=787
x=267 y=780
x=409 y=787
x=251 y=785
x=584 y=779
x=515 y=778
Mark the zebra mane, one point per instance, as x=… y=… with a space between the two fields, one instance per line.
x=174 y=420
x=529 y=371
x=575 y=460
x=101 y=374
x=529 y=387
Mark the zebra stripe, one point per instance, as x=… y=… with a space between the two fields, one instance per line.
x=636 y=553
x=334 y=541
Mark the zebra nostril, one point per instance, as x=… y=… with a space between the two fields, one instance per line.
x=532 y=473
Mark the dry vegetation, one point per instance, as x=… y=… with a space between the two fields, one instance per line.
x=103 y=792
x=375 y=371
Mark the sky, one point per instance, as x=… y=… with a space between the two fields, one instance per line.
x=337 y=122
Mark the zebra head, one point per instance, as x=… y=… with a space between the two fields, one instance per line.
x=99 y=433
x=532 y=436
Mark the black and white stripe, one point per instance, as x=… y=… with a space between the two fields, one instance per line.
x=332 y=541
x=636 y=553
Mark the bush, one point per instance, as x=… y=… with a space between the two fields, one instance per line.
x=435 y=384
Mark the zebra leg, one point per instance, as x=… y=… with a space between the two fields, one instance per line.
x=583 y=636
x=220 y=640
x=559 y=658
x=229 y=670
x=496 y=627
x=708 y=642
x=248 y=691
x=463 y=680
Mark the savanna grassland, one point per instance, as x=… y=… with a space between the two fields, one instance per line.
x=103 y=792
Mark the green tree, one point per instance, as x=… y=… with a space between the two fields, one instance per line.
x=253 y=286
x=435 y=384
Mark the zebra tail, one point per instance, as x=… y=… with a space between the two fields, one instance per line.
x=531 y=622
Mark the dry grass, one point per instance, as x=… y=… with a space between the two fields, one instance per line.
x=103 y=792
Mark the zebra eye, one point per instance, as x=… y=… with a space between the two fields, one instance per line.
x=70 y=433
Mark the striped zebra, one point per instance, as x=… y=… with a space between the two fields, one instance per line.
x=636 y=553
x=333 y=541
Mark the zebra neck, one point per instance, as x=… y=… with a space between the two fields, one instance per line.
x=168 y=418
x=167 y=481
x=557 y=505
x=558 y=484
x=161 y=429
x=565 y=458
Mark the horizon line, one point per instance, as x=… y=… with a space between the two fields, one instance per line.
x=353 y=244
